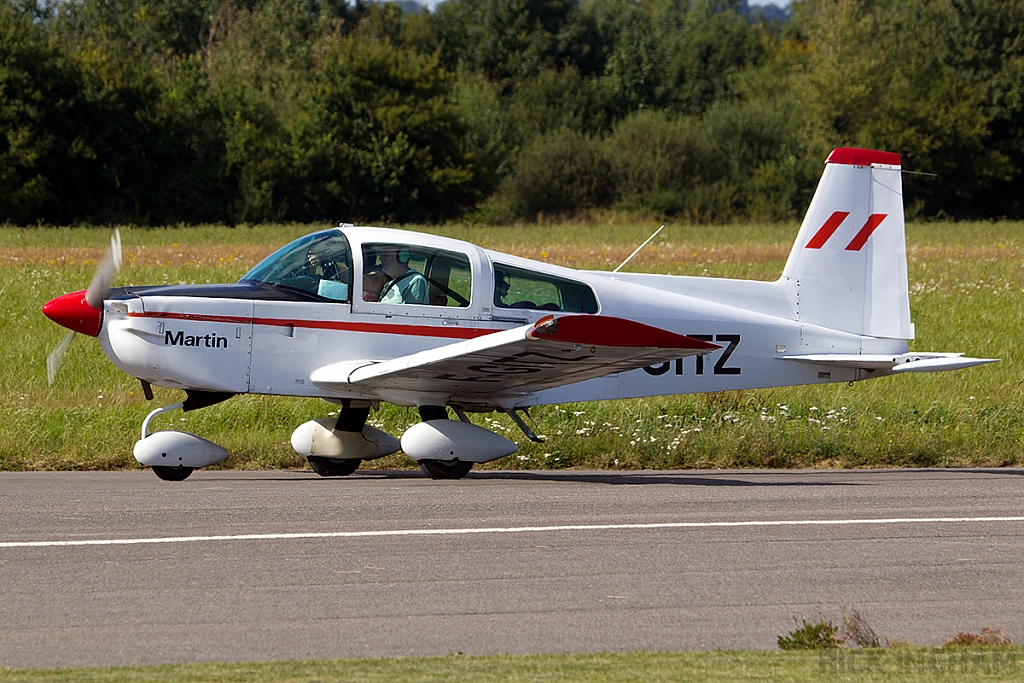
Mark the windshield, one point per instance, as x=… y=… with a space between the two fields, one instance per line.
x=319 y=265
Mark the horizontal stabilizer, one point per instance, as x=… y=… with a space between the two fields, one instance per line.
x=939 y=364
x=907 y=362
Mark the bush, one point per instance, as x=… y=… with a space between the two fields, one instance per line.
x=716 y=167
x=658 y=159
x=819 y=636
x=987 y=636
x=559 y=174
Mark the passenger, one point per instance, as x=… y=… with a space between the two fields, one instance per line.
x=406 y=285
x=373 y=283
x=501 y=287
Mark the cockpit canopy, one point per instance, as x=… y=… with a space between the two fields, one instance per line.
x=317 y=266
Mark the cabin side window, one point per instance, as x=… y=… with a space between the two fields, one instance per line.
x=404 y=274
x=521 y=288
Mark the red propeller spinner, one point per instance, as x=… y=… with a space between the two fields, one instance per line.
x=74 y=312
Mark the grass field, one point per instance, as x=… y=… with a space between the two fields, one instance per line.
x=966 y=284
x=909 y=665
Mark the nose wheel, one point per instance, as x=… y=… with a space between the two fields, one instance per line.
x=172 y=473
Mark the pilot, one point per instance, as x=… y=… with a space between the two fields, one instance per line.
x=405 y=286
x=332 y=276
x=320 y=266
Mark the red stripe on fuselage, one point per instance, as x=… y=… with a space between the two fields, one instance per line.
x=826 y=230
x=858 y=242
x=376 y=328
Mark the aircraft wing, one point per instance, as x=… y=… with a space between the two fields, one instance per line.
x=907 y=362
x=552 y=352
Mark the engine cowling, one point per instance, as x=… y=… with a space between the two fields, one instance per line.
x=451 y=440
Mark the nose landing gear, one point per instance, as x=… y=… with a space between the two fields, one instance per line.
x=174 y=455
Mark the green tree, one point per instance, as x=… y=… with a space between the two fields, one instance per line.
x=870 y=82
x=560 y=98
x=492 y=133
x=383 y=138
x=138 y=28
x=987 y=42
x=676 y=54
x=635 y=69
x=45 y=162
x=559 y=173
x=505 y=40
x=708 y=49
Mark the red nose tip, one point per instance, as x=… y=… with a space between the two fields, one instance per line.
x=72 y=311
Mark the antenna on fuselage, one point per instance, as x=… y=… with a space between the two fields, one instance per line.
x=639 y=248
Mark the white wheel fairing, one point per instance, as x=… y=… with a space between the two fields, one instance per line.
x=318 y=438
x=451 y=440
x=177 y=449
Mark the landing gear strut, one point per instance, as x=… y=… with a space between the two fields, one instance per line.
x=441 y=469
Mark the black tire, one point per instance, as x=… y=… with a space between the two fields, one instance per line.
x=172 y=473
x=445 y=469
x=333 y=467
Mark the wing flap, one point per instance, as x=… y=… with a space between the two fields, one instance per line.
x=552 y=352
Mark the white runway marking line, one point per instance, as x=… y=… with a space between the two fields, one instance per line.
x=507 y=530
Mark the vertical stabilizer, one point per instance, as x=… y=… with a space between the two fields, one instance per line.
x=849 y=263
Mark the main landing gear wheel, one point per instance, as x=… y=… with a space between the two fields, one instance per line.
x=445 y=469
x=172 y=473
x=441 y=469
x=333 y=467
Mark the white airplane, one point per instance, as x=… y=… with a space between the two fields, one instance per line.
x=438 y=323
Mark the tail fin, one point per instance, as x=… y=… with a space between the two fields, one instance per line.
x=849 y=262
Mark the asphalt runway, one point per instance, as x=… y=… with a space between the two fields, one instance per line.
x=108 y=568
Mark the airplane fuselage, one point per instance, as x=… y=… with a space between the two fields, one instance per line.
x=242 y=338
